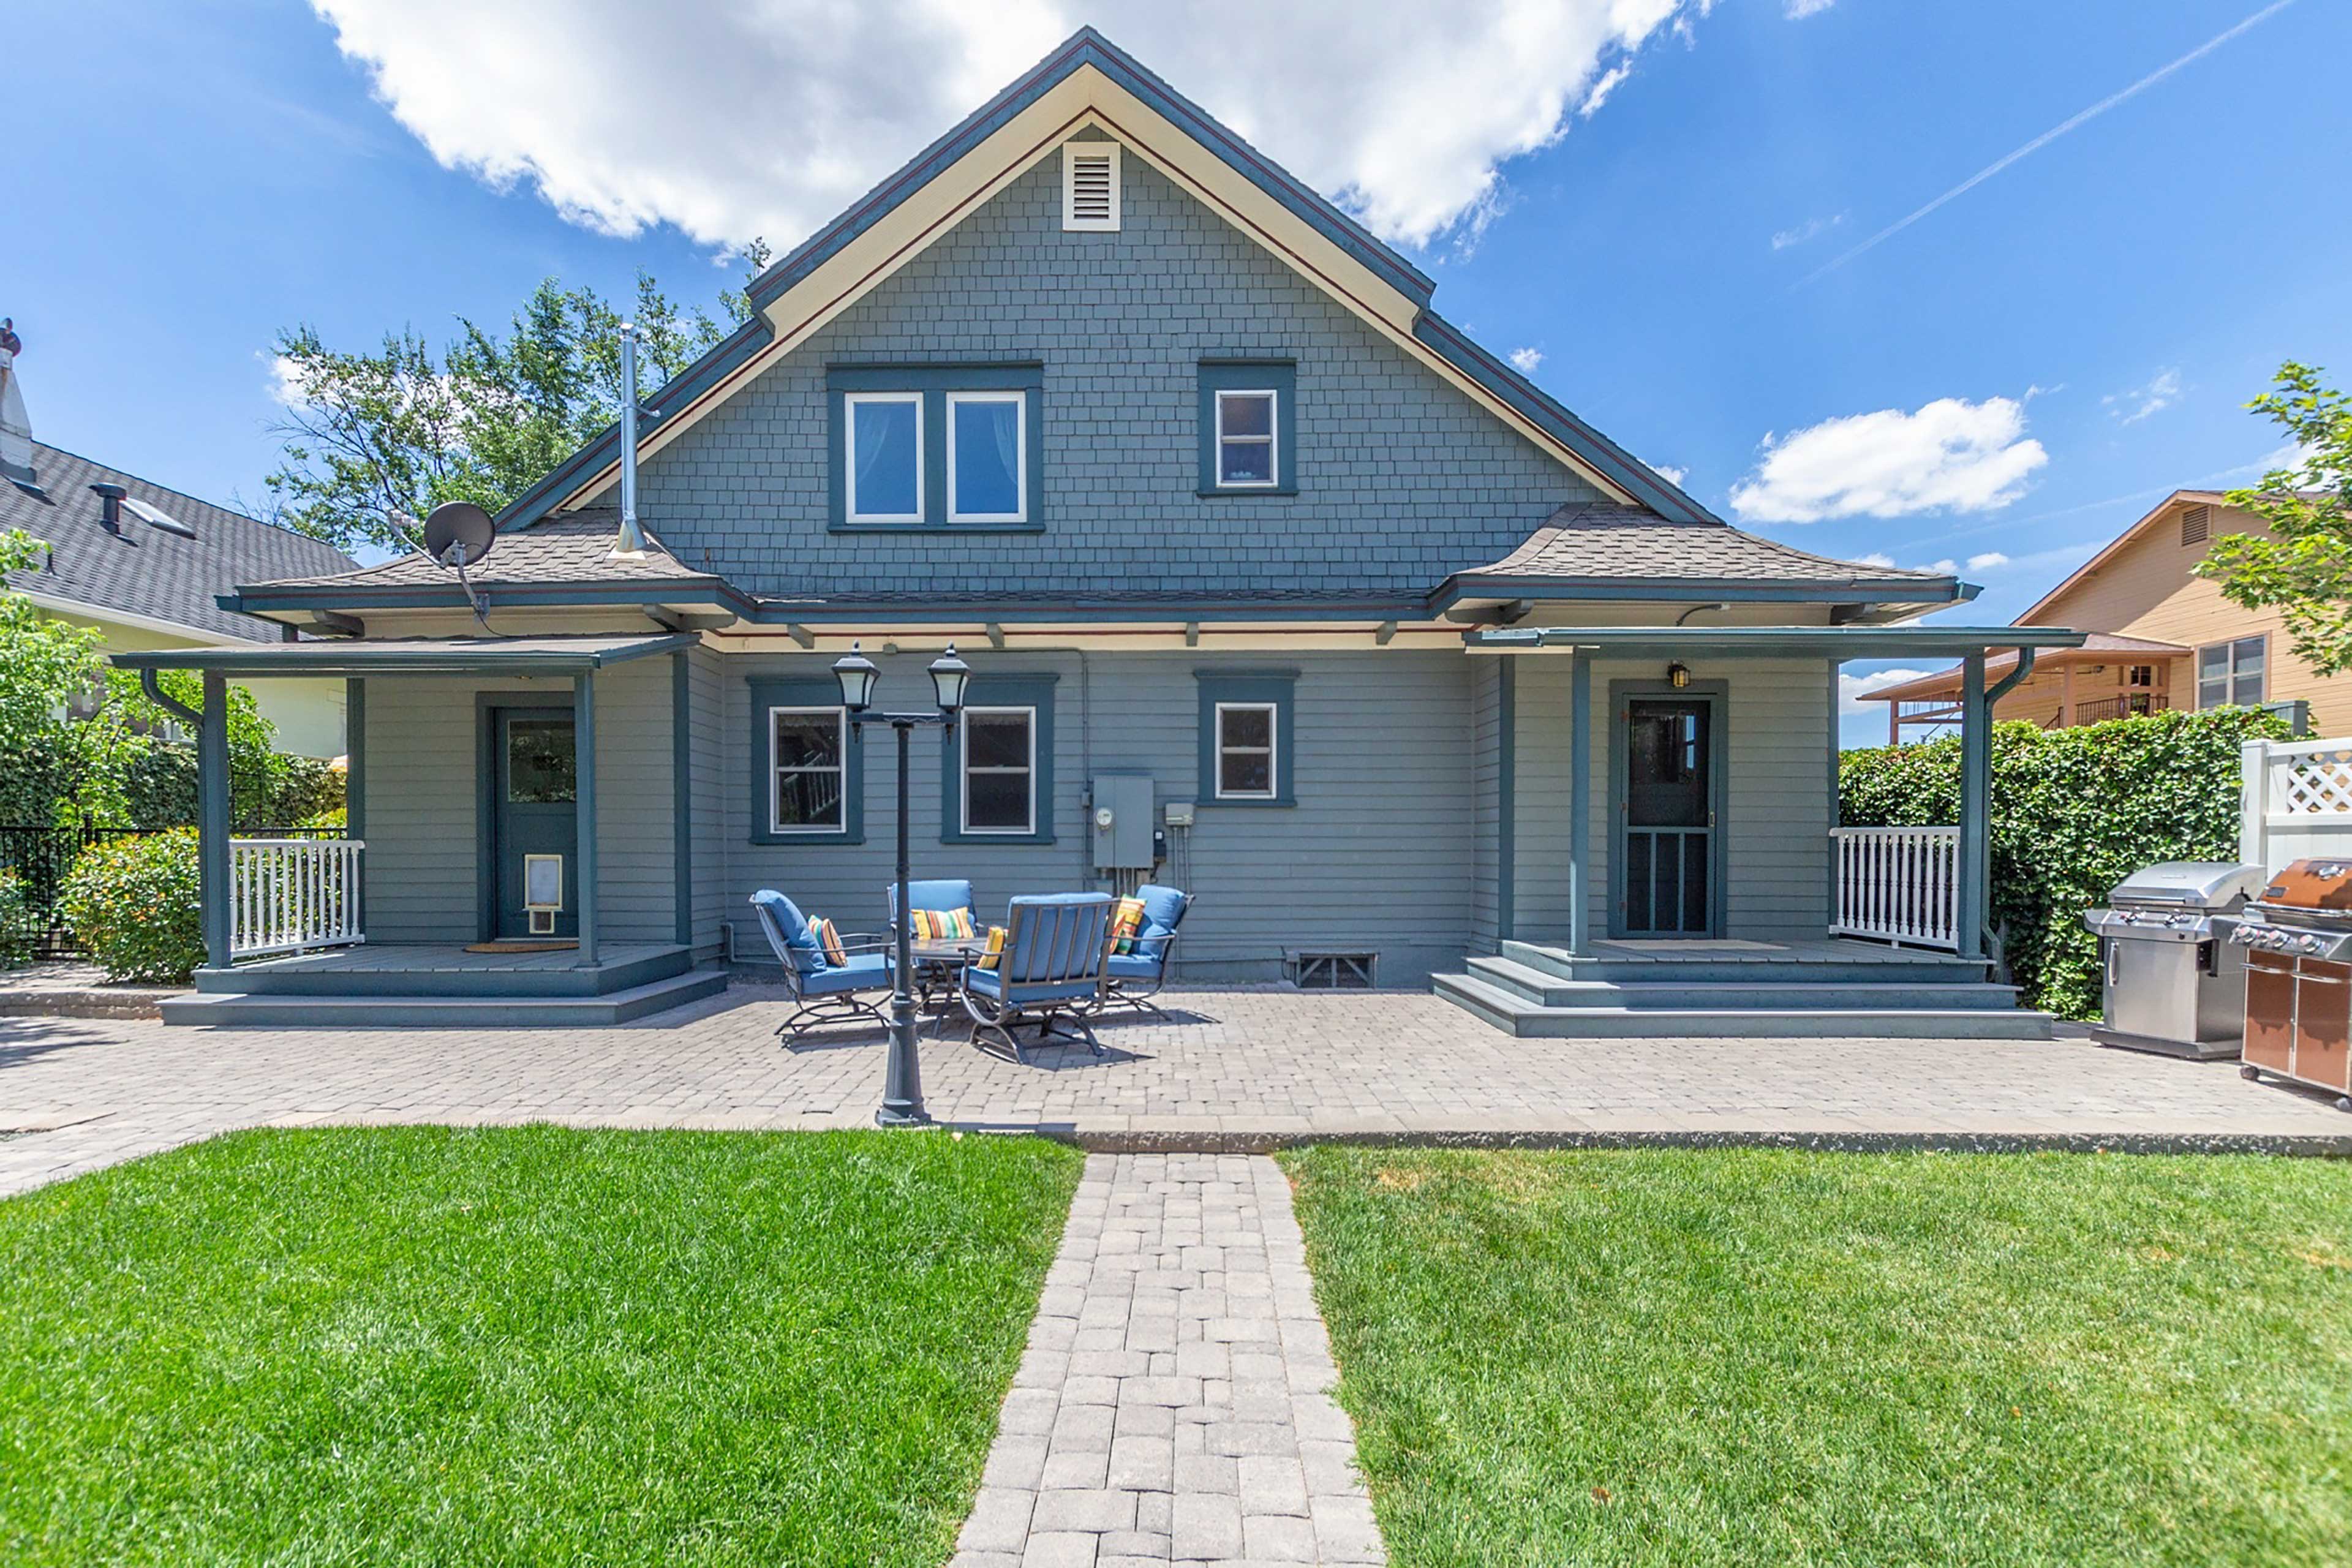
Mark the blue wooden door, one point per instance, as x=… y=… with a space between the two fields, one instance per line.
x=1667 y=874
x=534 y=801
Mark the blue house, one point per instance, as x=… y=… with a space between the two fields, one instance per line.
x=1276 y=587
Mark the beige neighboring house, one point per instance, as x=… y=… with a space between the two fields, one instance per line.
x=2160 y=638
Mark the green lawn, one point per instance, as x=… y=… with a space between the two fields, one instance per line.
x=517 y=1345
x=1748 y=1357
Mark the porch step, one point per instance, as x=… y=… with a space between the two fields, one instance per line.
x=1822 y=1017
x=1842 y=963
x=1776 y=987
x=248 y=1011
x=443 y=973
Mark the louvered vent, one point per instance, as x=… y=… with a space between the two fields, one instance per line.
x=2196 y=524
x=1090 y=186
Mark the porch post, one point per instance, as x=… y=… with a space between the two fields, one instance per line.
x=584 y=759
x=213 y=806
x=1975 y=806
x=1580 y=805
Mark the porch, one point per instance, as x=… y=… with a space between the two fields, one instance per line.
x=447 y=985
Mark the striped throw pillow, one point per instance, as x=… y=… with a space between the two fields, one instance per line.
x=1126 y=921
x=829 y=940
x=995 y=950
x=943 y=925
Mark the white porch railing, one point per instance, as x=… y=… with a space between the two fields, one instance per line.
x=1898 y=884
x=290 y=895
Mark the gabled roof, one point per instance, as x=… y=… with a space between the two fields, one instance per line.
x=1089 y=81
x=145 y=571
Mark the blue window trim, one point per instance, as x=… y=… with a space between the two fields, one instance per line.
x=934 y=382
x=802 y=691
x=1275 y=686
x=1001 y=691
x=1279 y=376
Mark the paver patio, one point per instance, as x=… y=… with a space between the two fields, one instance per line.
x=1229 y=1069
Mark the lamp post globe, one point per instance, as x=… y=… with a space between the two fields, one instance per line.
x=949 y=677
x=857 y=674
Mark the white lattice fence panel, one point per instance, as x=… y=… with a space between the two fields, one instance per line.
x=2317 y=784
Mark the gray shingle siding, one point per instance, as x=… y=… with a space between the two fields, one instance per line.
x=1403 y=479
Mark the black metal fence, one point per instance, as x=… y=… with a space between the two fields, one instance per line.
x=40 y=859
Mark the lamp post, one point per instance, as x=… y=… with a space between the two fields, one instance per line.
x=902 y=1087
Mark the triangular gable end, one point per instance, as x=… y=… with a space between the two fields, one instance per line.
x=1090 y=85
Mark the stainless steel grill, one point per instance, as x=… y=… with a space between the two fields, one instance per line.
x=2175 y=983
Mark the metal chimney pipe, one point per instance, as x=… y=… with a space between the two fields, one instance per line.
x=630 y=543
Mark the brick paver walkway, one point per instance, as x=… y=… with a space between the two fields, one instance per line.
x=1175 y=1403
x=1230 y=1069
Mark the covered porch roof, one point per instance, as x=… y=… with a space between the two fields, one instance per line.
x=2097 y=648
x=411 y=656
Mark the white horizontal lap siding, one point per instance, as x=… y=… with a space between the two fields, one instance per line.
x=637 y=856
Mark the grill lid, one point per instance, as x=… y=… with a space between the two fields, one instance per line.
x=2194 y=885
x=2314 y=884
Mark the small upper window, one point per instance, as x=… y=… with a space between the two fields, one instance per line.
x=1245 y=743
x=1246 y=438
x=884 y=460
x=2231 y=673
x=1090 y=186
x=988 y=449
x=810 y=753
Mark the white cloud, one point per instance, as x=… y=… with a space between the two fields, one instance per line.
x=1875 y=558
x=1668 y=472
x=731 y=120
x=1797 y=10
x=1987 y=560
x=286 y=388
x=1597 y=93
x=2160 y=392
x=1852 y=688
x=1527 y=360
x=1951 y=456
x=1812 y=228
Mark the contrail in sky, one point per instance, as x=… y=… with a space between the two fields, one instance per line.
x=2047 y=137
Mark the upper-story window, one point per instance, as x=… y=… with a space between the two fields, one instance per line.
x=1248 y=427
x=2231 y=673
x=936 y=446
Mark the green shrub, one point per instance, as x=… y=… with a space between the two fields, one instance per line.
x=133 y=903
x=2074 y=813
x=19 y=926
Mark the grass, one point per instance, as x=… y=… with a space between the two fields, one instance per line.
x=1763 y=1357
x=430 y=1345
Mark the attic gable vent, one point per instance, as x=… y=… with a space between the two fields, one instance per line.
x=2196 y=524
x=1090 y=186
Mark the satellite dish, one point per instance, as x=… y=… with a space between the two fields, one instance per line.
x=459 y=533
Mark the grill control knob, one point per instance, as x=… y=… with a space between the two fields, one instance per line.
x=2311 y=945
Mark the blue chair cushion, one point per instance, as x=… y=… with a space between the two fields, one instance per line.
x=945 y=893
x=1163 y=908
x=986 y=984
x=1134 y=966
x=802 y=950
x=864 y=971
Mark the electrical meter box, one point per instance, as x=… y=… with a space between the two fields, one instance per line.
x=1122 y=822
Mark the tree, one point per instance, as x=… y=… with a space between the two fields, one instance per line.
x=376 y=440
x=2303 y=567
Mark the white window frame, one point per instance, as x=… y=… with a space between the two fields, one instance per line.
x=851 y=402
x=775 y=773
x=1272 y=438
x=1020 y=401
x=2229 y=676
x=964 y=770
x=1071 y=152
x=1273 y=711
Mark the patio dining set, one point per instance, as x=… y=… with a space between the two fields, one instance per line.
x=1059 y=959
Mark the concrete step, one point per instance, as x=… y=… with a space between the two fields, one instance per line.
x=1515 y=1015
x=487 y=979
x=1540 y=988
x=1894 y=968
x=230 y=1009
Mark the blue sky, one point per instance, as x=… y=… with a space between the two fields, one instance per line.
x=188 y=178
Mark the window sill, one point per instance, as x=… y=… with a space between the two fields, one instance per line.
x=810 y=840
x=1230 y=804
x=935 y=528
x=1227 y=492
x=958 y=836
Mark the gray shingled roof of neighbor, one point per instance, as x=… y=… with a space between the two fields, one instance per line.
x=144 y=571
x=574 y=548
x=1597 y=543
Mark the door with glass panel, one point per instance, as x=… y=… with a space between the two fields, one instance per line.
x=1667 y=874
x=534 y=822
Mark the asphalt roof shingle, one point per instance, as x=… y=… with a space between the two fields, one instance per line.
x=1595 y=542
x=144 y=571
x=573 y=548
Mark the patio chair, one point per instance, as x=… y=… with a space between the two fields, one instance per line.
x=828 y=993
x=1135 y=976
x=937 y=896
x=1051 y=967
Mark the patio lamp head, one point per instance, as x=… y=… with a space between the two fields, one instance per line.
x=1678 y=675
x=949 y=677
x=856 y=674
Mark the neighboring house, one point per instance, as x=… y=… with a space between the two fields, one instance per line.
x=1402 y=663
x=147 y=565
x=2160 y=638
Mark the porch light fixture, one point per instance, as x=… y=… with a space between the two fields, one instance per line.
x=1678 y=675
x=948 y=674
x=857 y=674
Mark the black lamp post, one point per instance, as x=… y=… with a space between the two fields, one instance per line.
x=902 y=1087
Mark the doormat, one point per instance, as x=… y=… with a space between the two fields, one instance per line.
x=520 y=945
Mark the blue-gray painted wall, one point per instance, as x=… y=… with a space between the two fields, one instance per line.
x=1401 y=479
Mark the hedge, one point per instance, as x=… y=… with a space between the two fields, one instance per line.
x=2074 y=813
x=162 y=790
x=135 y=903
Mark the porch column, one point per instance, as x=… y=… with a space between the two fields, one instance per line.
x=1976 y=805
x=1580 y=805
x=584 y=763
x=213 y=784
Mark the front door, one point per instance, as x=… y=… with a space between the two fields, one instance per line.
x=534 y=822
x=1666 y=849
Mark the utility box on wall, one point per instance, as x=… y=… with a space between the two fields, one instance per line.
x=1122 y=822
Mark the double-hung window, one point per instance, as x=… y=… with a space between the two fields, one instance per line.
x=1000 y=770
x=2231 y=673
x=988 y=473
x=1249 y=425
x=883 y=463
x=936 y=446
x=1246 y=438
x=1247 y=754
x=1245 y=750
x=807 y=774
